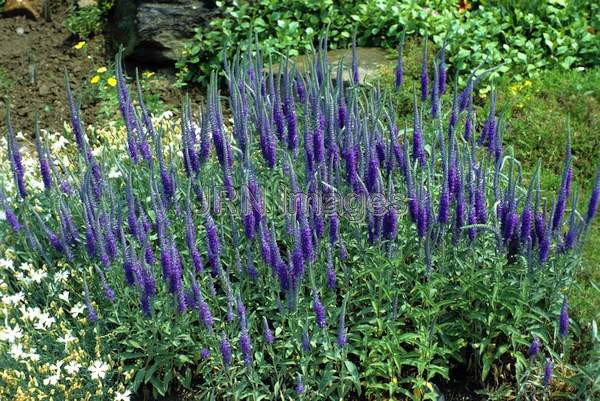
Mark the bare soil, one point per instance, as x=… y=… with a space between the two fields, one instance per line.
x=33 y=58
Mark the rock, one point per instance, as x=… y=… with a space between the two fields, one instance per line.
x=44 y=89
x=155 y=31
x=370 y=60
x=87 y=3
x=33 y=8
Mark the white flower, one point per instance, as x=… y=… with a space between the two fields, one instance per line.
x=61 y=276
x=2 y=215
x=13 y=299
x=72 y=368
x=37 y=275
x=44 y=321
x=124 y=396
x=16 y=351
x=56 y=367
x=28 y=267
x=59 y=143
x=11 y=334
x=7 y=264
x=77 y=310
x=114 y=173
x=98 y=370
x=30 y=313
x=67 y=339
x=32 y=355
x=64 y=296
x=20 y=277
x=51 y=380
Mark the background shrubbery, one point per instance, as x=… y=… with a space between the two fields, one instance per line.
x=523 y=36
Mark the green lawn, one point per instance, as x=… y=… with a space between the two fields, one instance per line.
x=539 y=111
x=537 y=114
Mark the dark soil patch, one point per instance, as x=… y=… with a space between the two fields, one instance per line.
x=33 y=58
x=34 y=55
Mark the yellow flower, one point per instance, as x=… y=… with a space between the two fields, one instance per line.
x=148 y=74
x=79 y=45
x=112 y=81
x=101 y=70
x=95 y=79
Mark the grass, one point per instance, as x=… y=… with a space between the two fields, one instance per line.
x=538 y=112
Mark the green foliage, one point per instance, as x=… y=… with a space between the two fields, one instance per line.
x=87 y=21
x=5 y=82
x=523 y=37
x=288 y=26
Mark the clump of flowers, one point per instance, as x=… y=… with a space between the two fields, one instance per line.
x=193 y=223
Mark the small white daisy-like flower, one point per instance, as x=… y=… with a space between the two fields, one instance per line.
x=114 y=173
x=124 y=396
x=51 y=380
x=72 y=368
x=14 y=299
x=66 y=339
x=59 y=143
x=37 y=275
x=33 y=356
x=44 y=321
x=16 y=351
x=77 y=310
x=30 y=313
x=11 y=334
x=64 y=296
x=7 y=264
x=61 y=276
x=98 y=370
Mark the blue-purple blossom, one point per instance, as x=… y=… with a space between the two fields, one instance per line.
x=267 y=332
x=225 y=349
x=563 y=319
x=319 y=310
x=399 y=64
x=300 y=385
x=424 y=73
x=534 y=348
x=548 y=367
x=204 y=353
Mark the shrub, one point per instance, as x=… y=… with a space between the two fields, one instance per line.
x=87 y=21
x=523 y=37
x=303 y=246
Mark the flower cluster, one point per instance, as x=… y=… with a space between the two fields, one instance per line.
x=141 y=221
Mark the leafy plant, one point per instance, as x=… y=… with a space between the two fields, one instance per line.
x=302 y=247
x=523 y=37
x=87 y=21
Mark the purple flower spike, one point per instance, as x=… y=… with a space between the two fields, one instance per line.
x=225 y=349
x=563 y=320
x=300 y=385
x=204 y=353
x=534 y=348
x=246 y=346
x=267 y=332
x=305 y=341
x=547 y=372
x=594 y=199
x=319 y=310
x=424 y=74
x=399 y=64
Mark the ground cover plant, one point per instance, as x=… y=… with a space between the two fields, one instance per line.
x=304 y=244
